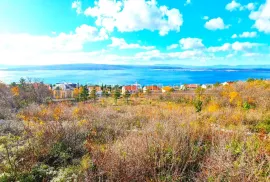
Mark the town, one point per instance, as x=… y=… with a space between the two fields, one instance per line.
x=71 y=90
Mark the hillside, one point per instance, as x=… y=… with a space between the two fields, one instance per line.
x=222 y=136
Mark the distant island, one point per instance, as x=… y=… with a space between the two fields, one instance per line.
x=122 y=67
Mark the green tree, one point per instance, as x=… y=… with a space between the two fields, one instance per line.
x=93 y=94
x=126 y=96
x=199 y=92
x=198 y=105
x=116 y=95
x=22 y=84
x=84 y=94
x=105 y=93
x=250 y=80
x=217 y=84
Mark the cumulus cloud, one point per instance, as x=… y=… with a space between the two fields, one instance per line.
x=224 y=47
x=248 y=35
x=245 y=35
x=191 y=43
x=78 y=6
x=233 y=6
x=173 y=46
x=135 y=15
x=242 y=46
x=262 y=17
x=122 y=44
x=250 y=6
x=236 y=46
x=17 y=47
x=62 y=42
x=216 y=24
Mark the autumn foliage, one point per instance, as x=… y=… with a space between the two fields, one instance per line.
x=149 y=138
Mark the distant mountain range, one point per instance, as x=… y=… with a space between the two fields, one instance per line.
x=122 y=67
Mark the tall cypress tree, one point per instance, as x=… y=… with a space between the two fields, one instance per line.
x=93 y=94
x=84 y=94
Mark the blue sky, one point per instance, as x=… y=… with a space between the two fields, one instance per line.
x=190 y=32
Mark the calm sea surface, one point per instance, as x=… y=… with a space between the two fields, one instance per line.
x=128 y=76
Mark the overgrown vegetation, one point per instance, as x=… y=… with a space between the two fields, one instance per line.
x=207 y=135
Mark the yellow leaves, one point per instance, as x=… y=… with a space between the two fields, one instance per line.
x=82 y=122
x=86 y=162
x=57 y=113
x=233 y=96
x=213 y=107
x=15 y=91
x=75 y=112
x=77 y=91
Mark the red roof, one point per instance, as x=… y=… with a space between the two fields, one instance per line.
x=153 y=87
x=131 y=87
x=36 y=85
x=192 y=86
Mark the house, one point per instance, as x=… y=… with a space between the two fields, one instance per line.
x=37 y=85
x=152 y=88
x=192 y=86
x=98 y=90
x=64 y=90
x=65 y=86
x=167 y=89
x=130 y=88
x=189 y=87
x=63 y=94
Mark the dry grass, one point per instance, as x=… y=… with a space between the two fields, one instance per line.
x=149 y=139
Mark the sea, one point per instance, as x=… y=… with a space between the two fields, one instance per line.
x=143 y=76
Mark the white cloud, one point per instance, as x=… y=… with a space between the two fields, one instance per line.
x=191 y=43
x=236 y=46
x=250 y=6
x=173 y=46
x=215 y=24
x=205 y=18
x=242 y=46
x=156 y=55
x=245 y=35
x=250 y=54
x=78 y=6
x=248 y=35
x=233 y=6
x=121 y=43
x=262 y=17
x=135 y=15
x=224 y=47
x=17 y=47
x=234 y=36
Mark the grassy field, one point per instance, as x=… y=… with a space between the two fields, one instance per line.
x=222 y=136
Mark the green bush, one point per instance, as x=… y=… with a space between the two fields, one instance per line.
x=263 y=126
x=60 y=155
